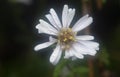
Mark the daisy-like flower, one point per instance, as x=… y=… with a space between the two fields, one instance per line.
x=67 y=39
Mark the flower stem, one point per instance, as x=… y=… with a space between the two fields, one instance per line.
x=91 y=68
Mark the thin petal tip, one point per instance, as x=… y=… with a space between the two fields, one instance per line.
x=90 y=18
x=87 y=15
x=37 y=26
x=36 y=49
x=40 y=20
x=51 y=9
x=65 y=5
x=52 y=61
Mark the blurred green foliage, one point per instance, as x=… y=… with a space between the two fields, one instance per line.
x=103 y=56
x=68 y=68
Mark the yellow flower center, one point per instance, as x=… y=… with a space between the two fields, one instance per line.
x=66 y=37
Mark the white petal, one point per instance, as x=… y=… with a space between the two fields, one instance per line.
x=81 y=19
x=78 y=48
x=70 y=9
x=85 y=37
x=67 y=55
x=76 y=53
x=56 y=55
x=52 y=39
x=71 y=53
x=55 y=17
x=82 y=49
x=50 y=18
x=43 y=45
x=43 y=29
x=70 y=16
x=47 y=25
x=82 y=23
x=91 y=44
x=64 y=15
x=46 y=44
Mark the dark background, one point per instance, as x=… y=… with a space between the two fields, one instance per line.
x=18 y=36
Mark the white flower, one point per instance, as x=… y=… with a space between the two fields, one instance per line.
x=73 y=45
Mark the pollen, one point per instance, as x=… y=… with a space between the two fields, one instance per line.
x=66 y=37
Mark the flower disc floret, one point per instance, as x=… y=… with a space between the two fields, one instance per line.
x=66 y=37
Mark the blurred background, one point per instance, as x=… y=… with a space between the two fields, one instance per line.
x=18 y=37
